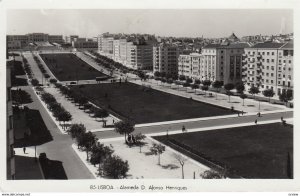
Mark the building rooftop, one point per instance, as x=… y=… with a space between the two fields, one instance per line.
x=268 y=45
x=288 y=45
x=237 y=45
x=212 y=46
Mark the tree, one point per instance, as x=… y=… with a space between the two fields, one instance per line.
x=229 y=93
x=82 y=101
x=65 y=117
x=157 y=149
x=170 y=81
x=139 y=140
x=240 y=87
x=228 y=87
x=76 y=130
x=217 y=84
x=181 y=161
x=197 y=81
x=142 y=75
x=87 y=106
x=163 y=74
x=253 y=91
x=86 y=141
x=101 y=113
x=53 y=81
x=99 y=153
x=268 y=93
x=188 y=80
x=213 y=174
x=181 y=77
x=124 y=127
x=157 y=74
x=195 y=86
x=115 y=167
x=35 y=82
x=206 y=83
x=243 y=97
x=204 y=88
x=286 y=96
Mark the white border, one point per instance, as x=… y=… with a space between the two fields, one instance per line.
x=193 y=185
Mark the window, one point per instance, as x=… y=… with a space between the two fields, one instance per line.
x=268 y=53
x=272 y=60
x=278 y=82
x=271 y=81
x=268 y=60
x=267 y=67
x=258 y=53
x=272 y=53
x=279 y=61
x=290 y=61
x=272 y=74
x=263 y=53
x=267 y=74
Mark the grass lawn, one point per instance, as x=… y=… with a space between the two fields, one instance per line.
x=68 y=67
x=145 y=105
x=259 y=151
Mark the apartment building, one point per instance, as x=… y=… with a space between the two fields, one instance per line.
x=10 y=159
x=222 y=62
x=165 y=58
x=269 y=65
x=139 y=56
x=189 y=65
x=208 y=64
x=84 y=43
x=105 y=44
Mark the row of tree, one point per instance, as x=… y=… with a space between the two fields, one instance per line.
x=58 y=111
x=27 y=67
x=109 y=165
x=82 y=102
x=41 y=67
x=285 y=96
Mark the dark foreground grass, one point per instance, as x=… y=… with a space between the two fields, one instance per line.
x=261 y=151
x=145 y=105
x=69 y=67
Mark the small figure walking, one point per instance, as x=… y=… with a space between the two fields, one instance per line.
x=238 y=113
x=242 y=113
x=113 y=121
x=183 y=129
x=281 y=119
x=255 y=121
x=258 y=114
x=24 y=150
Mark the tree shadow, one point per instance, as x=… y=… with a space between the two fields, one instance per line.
x=170 y=166
x=250 y=105
x=148 y=153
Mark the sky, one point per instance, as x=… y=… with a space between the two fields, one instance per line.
x=178 y=23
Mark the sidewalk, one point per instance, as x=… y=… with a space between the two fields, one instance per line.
x=222 y=100
x=79 y=116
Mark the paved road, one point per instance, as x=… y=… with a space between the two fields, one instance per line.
x=60 y=147
x=200 y=124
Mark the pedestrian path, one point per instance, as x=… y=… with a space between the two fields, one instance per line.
x=220 y=100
